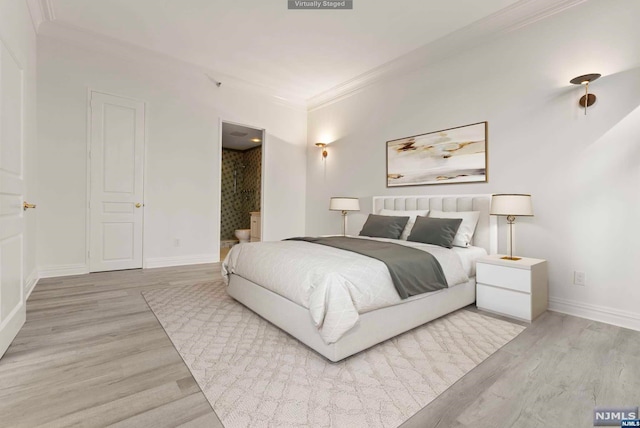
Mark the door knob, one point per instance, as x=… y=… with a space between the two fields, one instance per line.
x=138 y=205
x=26 y=205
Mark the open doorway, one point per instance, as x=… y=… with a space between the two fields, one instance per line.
x=241 y=184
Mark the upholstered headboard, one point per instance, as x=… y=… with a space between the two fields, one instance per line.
x=486 y=234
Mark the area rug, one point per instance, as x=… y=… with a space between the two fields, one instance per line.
x=255 y=375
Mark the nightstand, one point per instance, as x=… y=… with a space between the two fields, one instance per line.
x=515 y=288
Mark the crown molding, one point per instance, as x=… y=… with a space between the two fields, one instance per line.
x=41 y=11
x=511 y=18
x=49 y=10
x=55 y=29
x=37 y=13
x=516 y=16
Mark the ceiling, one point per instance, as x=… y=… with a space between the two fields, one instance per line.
x=297 y=53
x=231 y=138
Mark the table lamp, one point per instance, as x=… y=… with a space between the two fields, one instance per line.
x=344 y=205
x=511 y=205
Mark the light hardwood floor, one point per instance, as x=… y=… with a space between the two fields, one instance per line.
x=93 y=354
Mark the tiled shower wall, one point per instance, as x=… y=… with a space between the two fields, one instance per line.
x=236 y=205
x=251 y=179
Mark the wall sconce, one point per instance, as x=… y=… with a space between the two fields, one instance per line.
x=587 y=100
x=322 y=147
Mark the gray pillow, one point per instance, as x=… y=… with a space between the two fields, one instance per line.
x=384 y=226
x=436 y=231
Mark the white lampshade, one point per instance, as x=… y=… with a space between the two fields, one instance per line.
x=511 y=204
x=344 y=204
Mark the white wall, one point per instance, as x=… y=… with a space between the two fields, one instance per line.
x=19 y=36
x=583 y=171
x=182 y=155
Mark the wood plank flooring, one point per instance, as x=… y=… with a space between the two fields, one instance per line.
x=93 y=354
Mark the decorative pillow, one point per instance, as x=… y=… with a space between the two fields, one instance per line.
x=467 y=228
x=382 y=226
x=412 y=219
x=436 y=231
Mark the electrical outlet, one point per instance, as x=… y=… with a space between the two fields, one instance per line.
x=579 y=278
x=176 y=242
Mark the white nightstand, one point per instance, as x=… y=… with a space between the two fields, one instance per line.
x=515 y=288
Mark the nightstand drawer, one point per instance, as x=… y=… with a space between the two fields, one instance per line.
x=506 y=302
x=500 y=276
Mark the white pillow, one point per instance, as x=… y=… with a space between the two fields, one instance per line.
x=412 y=219
x=467 y=227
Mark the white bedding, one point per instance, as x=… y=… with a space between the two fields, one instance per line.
x=468 y=257
x=335 y=285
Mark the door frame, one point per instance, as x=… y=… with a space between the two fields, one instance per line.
x=16 y=318
x=87 y=248
x=263 y=171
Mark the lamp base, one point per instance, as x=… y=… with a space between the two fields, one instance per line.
x=344 y=223
x=511 y=258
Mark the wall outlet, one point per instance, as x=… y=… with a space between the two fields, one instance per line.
x=579 y=278
x=176 y=242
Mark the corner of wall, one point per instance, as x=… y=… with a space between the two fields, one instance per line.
x=30 y=283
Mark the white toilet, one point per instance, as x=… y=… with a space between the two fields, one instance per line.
x=243 y=235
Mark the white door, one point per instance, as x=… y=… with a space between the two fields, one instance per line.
x=12 y=308
x=116 y=203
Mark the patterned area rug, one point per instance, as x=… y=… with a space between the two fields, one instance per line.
x=255 y=375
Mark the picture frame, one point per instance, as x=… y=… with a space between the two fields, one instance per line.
x=450 y=156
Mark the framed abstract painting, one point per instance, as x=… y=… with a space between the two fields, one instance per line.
x=451 y=156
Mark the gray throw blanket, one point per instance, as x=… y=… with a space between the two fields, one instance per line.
x=413 y=271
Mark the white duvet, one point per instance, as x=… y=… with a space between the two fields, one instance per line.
x=335 y=285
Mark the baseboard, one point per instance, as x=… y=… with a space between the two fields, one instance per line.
x=30 y=283
x=81 y=269
x=180 y=261
x=62 y=270
x=11 y=325
x=620 y=318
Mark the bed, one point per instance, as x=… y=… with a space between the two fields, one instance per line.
x=373 y=324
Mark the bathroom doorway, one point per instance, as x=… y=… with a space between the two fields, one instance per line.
x=241 y=185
